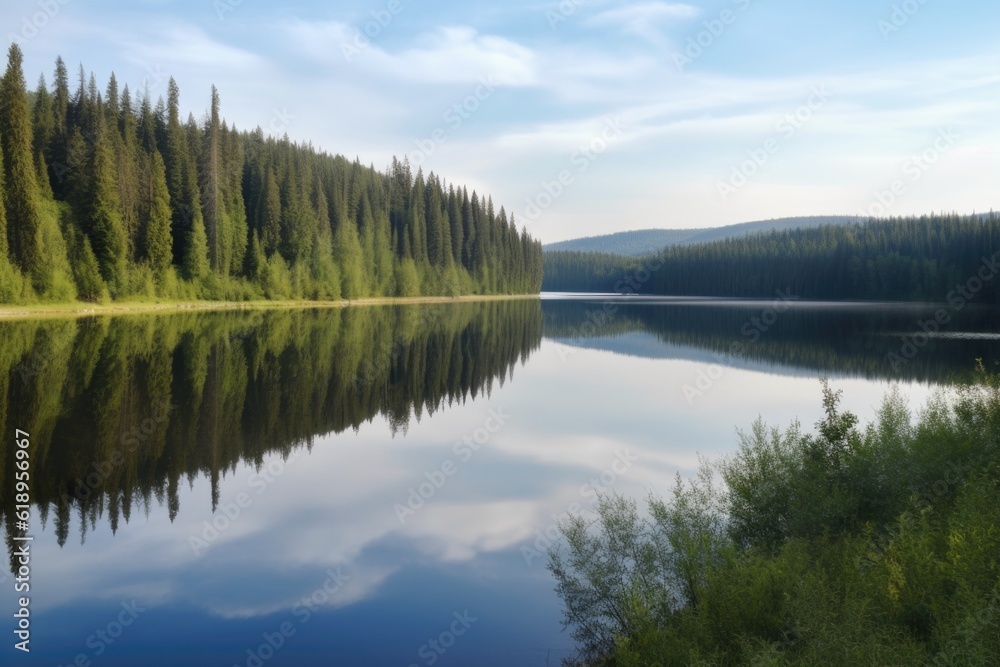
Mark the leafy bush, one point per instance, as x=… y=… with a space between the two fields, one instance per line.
x=843 y=546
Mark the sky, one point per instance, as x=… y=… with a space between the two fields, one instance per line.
x=586 y=117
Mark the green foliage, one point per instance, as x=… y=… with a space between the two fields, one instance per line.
x=14 y=287
x=641 y=242
x=54 y=272
x=184 y=202
x=90 y=285
x=840 y=547
x=103 y=222
x=22 y=198
x=930 y=258
x=407 y=278
x=277 y=278
x=196 y=251
x=157 y=242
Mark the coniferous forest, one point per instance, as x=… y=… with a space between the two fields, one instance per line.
x=931 y=258
x=108 y=194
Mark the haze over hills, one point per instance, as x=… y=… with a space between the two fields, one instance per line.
x=645 y=241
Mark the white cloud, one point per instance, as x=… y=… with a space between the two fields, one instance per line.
x=449 y=54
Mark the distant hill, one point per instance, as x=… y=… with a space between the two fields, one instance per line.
x=646 y=241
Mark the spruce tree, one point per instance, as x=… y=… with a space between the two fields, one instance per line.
x=22 y=198
x=157 y=242
x=104 y=220
x=270 y=220
x=211 y=195
x=4 y=246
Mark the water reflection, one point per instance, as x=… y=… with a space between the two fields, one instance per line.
x=221 y=468
x=888 y=341
x=121 y=409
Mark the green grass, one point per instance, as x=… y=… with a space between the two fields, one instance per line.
x=140 y=305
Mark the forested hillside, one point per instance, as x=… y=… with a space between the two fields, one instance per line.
x=113 y=195
x=635 y=243
x=646 y=241
x=932 y=258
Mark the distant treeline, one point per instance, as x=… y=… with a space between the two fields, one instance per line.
x=112 y=195
x=931 y=258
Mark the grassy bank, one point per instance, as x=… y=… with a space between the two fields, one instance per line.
x=846 y=546
x=78 y=309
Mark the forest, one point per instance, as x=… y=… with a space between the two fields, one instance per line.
x=930 y=258
x=112 y=195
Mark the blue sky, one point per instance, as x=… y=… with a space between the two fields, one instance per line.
x=587 y=116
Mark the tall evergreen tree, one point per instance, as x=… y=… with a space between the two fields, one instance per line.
x=211 y=196
x=22 y=198
x=157 y=241
x=104 y=221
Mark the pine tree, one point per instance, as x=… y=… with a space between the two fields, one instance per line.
x=59 y=143
x=270 y=221
x=122 y=126
x=86 y=271
x=157 y=242
x=104 y=221
x=4 y=246
x=22 y=198
x=211 y=196
x=347 y=253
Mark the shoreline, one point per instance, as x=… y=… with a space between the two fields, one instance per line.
x=81 y=309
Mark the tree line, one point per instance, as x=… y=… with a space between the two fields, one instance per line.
x=110 y=195
x=929 y=258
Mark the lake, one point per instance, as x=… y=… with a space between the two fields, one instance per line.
x=378 y=485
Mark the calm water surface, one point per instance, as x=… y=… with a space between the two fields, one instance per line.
x=375 y=486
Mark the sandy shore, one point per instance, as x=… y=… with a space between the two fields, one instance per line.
x=80 y=309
